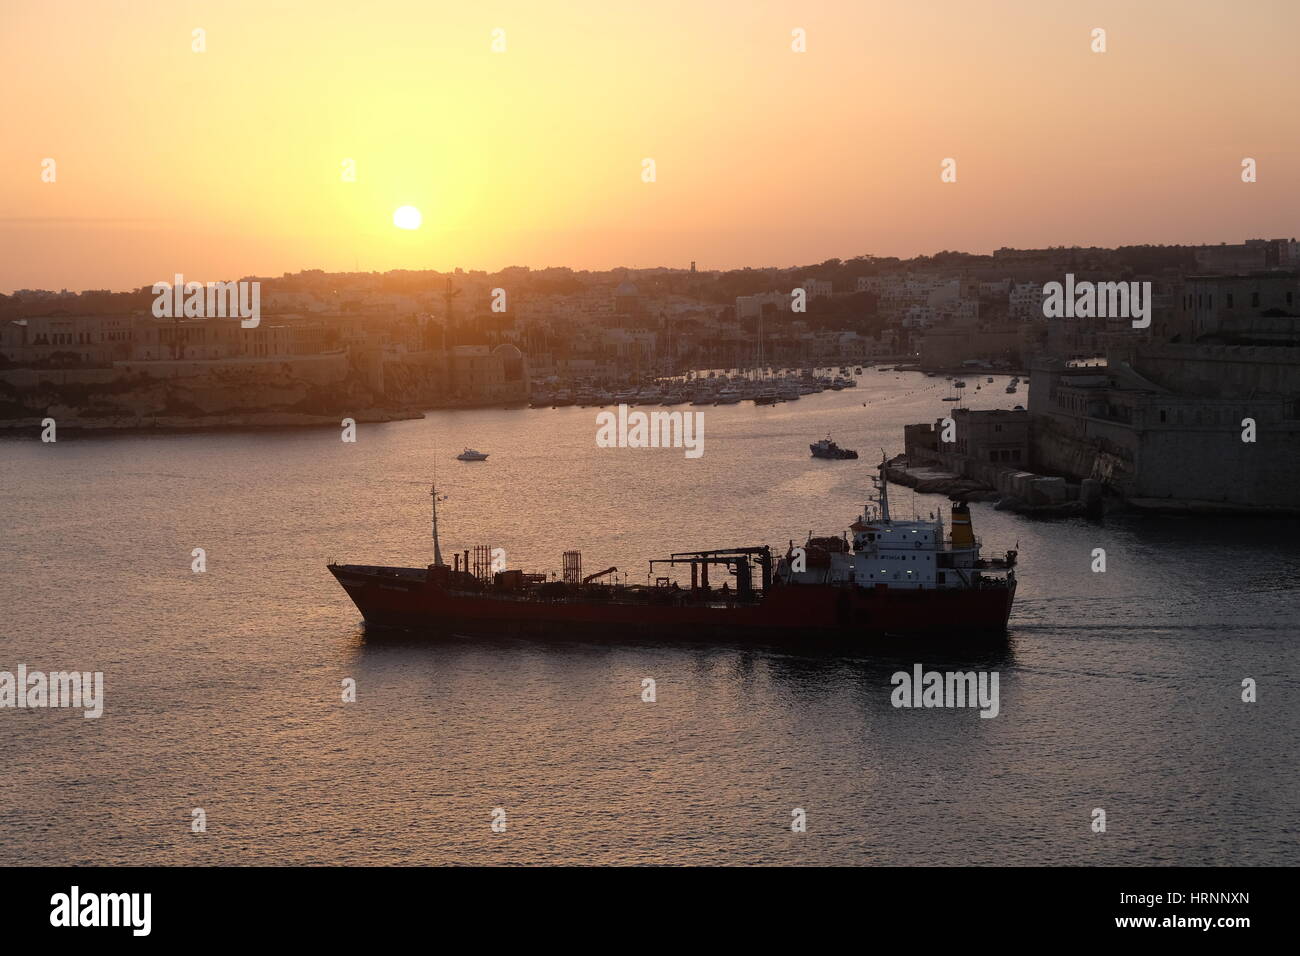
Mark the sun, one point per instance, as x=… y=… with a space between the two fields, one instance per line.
x=407 y=217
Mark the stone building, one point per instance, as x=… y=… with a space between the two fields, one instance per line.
x=1204 y=438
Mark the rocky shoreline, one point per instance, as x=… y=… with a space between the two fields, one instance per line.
x=1082 y=499
x=931 y=479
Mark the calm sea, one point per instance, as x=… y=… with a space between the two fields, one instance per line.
x=1118 y=690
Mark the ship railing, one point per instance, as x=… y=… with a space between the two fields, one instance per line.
x=632 y=598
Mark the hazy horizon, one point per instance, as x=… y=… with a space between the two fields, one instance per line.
x=685 y=267
x=227 y=162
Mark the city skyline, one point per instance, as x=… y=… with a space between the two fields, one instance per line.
x=691 y=267
x=532 y=154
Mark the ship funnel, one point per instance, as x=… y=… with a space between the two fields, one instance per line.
x=963 y=535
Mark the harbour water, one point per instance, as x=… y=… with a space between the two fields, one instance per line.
x=1119 y=690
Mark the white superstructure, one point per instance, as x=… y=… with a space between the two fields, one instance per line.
x=884 y=552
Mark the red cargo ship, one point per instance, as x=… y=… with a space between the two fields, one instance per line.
x=891 y=578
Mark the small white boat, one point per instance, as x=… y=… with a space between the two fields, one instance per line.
x=469 y=454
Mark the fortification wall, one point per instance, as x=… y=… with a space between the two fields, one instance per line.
x=1215 y=465
x=27 y=379
x=1227 y=371
x=320 y=369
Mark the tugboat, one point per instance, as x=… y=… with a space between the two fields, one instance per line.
x=889 y=579
x=469 y=454
x=828 y=449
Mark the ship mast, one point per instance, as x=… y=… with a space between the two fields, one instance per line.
x=884 y=489
x=437 y=551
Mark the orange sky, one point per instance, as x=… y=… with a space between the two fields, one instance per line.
x=227 y=162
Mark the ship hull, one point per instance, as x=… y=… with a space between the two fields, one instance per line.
x=405 y=599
